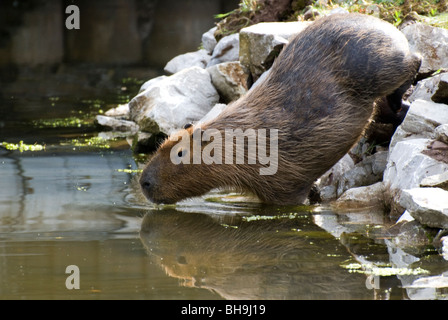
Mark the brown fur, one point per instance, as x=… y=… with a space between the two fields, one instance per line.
x=320 y=95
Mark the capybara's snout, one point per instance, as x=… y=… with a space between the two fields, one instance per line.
x=147 y=184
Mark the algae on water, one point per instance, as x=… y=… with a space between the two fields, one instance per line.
x=22 y=146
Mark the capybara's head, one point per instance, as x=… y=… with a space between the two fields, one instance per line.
x=173 y=173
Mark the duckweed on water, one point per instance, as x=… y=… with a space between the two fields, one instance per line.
x=130 y=170
x=70 y=122
x=22 y=146
x=95 y=142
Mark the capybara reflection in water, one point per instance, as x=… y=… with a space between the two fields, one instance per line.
x=318 y=98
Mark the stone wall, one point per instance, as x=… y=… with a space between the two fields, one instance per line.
x=117 y=32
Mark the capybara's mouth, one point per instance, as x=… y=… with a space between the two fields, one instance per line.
x=162 y=201
x=157 y=200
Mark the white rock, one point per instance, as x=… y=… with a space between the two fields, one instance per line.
x=444 y=241
x=422 y=119
x=328 y=193
x=117 y=124
x=229 y=79
x=209 y=40
x=333 y=175
x=364 y=173
x=168 y=104
x=122 y=111
x=151 y=83
x=366 y=196
x=213 y=113
x=432 y=89
x=441 y=133
x=328 y=182
x=431 y=43
x=407 y=166
x=198 y=58
x=405 y=217
x=429 y=206
x=260 y=43
x=227 y=49
x=439 y=281
x=438 y=181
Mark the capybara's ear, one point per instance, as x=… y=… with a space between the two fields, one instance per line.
x=188 y=125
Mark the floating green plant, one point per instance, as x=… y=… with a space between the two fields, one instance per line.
x=69 y=122
x=22 y=146
x=95 y=142
x=130 y=170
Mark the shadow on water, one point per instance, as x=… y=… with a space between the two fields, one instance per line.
x=281 y=256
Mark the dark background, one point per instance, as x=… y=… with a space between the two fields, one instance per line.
x=123 y=32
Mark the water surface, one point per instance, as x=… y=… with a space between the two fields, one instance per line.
x=77 y=203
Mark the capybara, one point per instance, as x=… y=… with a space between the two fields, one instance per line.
x=317 y=99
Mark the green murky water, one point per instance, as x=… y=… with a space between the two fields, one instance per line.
x=76 y=203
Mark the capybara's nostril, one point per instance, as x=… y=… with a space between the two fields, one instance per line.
x=146 y=185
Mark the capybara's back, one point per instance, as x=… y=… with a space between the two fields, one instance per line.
x=318 y=96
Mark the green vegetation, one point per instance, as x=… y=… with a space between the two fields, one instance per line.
x=394 y=11
x=130 y=170
x=92 y=142
x=432 y=12
x=69 y=122
x=22 y=146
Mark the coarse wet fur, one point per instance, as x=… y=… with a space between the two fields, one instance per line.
x=320 y=95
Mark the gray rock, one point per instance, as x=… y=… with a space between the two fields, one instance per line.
x=328 y=182
x=227 y=49
x=421 y=120
x=121 y=111
x=364 y=173
x=407 y=166
x=436 y=181
x=260 y=44
x=333 y=175
x=209 y=41
x=151 y=83
x=260 y=80
x=117 y=124
x=431 y=282
x=213 y=113
x=198 y=58
x=431 y=43
x=361 y=197
x=168 y=104
x=432 y=89
x=444 y=249
x=229 y=79
x=328 y=193
x=429 y=206
x=441 y=133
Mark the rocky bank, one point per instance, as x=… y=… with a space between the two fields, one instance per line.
x=407 y=177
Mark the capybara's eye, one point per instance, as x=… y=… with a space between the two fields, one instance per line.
x=188 y=125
